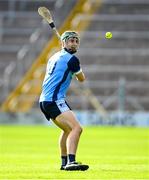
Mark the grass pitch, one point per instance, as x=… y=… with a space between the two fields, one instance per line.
x=113 y=153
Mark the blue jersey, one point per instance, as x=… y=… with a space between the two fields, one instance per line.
x=60 y=68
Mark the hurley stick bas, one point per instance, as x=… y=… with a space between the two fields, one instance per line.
x=46 y=15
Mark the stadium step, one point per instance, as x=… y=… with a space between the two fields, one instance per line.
x=117 y=59
x=119 y=26
x=14 y=102
x=124 y=8
x=106 y=75
x=101 y=42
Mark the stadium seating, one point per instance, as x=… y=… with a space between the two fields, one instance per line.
x=22 y=37
x=116 y=69
x=124 y=58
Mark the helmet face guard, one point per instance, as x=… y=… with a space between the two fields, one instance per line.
x=69 y=34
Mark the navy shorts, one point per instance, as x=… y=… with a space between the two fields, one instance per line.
x=52 y=109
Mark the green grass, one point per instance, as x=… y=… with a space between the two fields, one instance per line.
x=113 y=153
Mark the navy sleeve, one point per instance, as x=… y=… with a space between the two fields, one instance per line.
x=74 y=64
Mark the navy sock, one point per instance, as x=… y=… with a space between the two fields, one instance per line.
x=64 y=160
x=71 y=157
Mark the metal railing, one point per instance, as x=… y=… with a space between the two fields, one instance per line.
x=6 y=80
x=24 y=58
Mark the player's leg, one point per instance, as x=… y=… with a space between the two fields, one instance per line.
x=65 y=119
x=51 y=110
x=68 y=119
x=62 y=141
